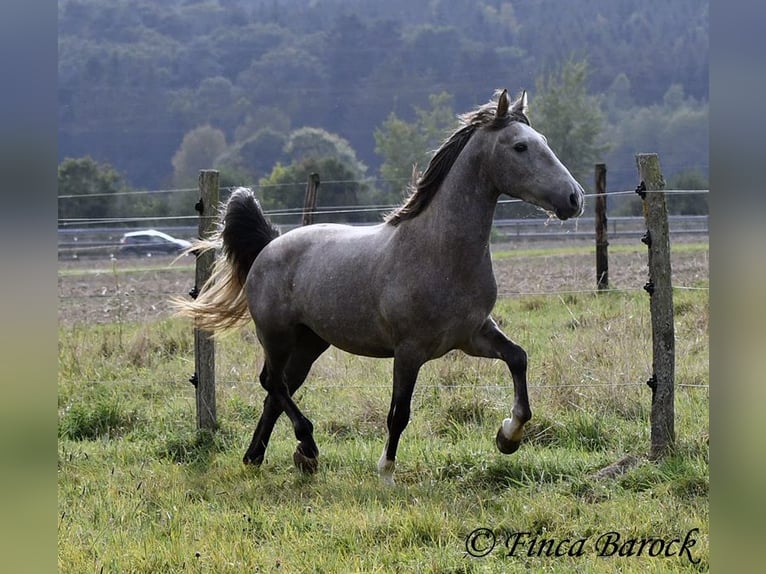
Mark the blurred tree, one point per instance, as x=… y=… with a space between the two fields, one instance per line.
x=315 y=143
x=215 y=101
x=90 y=184
x=677 y=130
x=691 y=203
x=347 y=50
x=570 y=118
x=198 y=150
x=260 y=118
x=281 y=79
x=256 y=155
x=135 y=75
x=502 y=21
x=433 y=51
x=408 y=146
x=285 y=188
x=677 y=204
x=239 y=45
x=618 y=97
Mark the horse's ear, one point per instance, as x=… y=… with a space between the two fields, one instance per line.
x=520 y=105
x=502 y=104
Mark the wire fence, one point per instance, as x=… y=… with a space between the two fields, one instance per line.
x=281 y=212
x=116 y=295
x=102 y=236
x=421 y=386
x=75 y=243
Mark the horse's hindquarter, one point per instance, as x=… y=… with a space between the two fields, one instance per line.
x=327 y=278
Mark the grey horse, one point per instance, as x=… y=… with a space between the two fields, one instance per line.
x=413 y=287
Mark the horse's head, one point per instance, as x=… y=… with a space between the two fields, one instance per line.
x=523 y=166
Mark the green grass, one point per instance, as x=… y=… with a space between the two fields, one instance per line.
x=140 y=491
x=127 y=267
x=500 y=252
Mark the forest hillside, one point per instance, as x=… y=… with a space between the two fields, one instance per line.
x=157 y=89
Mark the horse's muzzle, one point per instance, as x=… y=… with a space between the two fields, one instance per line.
x=575 y=206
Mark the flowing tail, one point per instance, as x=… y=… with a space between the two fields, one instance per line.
x=242 y=234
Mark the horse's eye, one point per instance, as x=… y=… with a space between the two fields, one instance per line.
x=519 y=147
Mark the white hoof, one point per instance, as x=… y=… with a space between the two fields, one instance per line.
x=386 y=470
x=512 y=431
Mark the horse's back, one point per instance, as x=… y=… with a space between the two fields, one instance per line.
x=327 y=277
x=306 y=250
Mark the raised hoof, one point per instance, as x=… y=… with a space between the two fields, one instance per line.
x=305 y=464
x=506 y=445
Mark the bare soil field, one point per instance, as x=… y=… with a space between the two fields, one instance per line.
x=138 y=289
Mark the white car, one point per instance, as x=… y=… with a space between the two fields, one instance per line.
x=151 y=242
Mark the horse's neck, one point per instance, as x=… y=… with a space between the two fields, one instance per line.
x=457 y=223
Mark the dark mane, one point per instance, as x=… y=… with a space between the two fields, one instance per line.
x=423 y=191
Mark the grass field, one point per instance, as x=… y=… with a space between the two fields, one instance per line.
x=140 y=491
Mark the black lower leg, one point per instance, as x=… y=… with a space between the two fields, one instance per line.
x=257 y=449
x=516 y=359
x=280 y=389
x=398 y=418
x=405 y=375
x=509 y=436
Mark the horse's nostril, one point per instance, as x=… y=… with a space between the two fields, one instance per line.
x=574 y=200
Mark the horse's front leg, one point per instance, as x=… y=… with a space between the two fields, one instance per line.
x=405 y=374
x=489 y=341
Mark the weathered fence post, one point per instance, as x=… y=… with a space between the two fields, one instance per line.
x=660 y=289
x=602 y=255
x=310 y=202
x=204 y=345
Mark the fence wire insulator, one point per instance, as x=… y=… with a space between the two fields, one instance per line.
x=641 y=190
x=200 y=206
x=193 y=292
x=646 y=238
x=652 y=382
x=194 y=379
x=649 y=287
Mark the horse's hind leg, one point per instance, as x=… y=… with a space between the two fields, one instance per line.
x=308 y=349
x=271 y=411
x=280 y=387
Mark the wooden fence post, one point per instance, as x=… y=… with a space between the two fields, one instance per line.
x=602 y=255
x=204 y=345
x=310 y=202
x=660 y=289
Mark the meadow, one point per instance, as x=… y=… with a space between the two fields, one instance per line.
x=139 y=490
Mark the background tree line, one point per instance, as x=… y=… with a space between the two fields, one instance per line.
x=269 y=90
